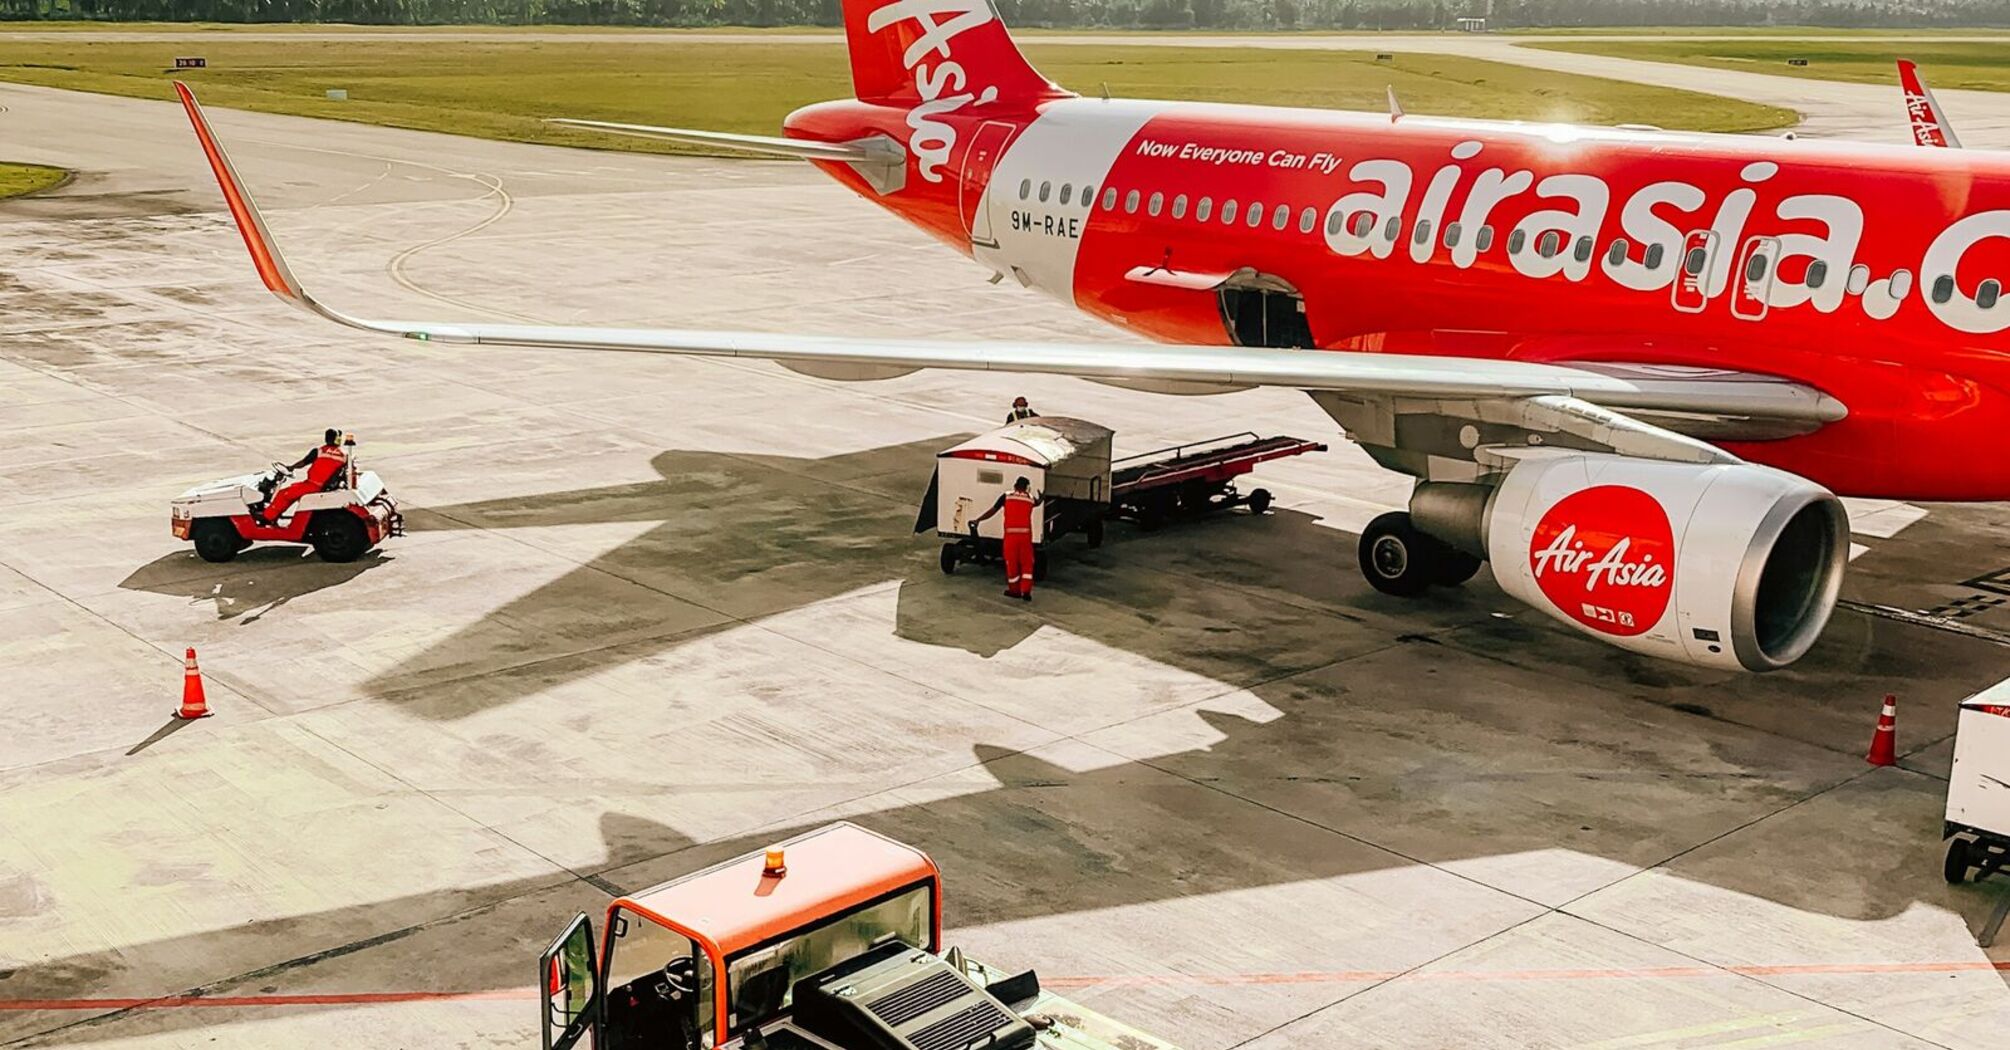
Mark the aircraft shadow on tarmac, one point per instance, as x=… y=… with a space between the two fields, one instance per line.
x=253 y=584
x=764 y=535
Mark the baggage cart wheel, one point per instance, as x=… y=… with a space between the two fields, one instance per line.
x=216 y=539
x=1093 y=532
x=1956 y=868
x=1039 y=565
x=948 y=559
x=1259 y=501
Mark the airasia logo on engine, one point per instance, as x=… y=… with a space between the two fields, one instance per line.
x=1606 y=557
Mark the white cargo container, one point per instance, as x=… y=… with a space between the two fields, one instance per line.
x=1067 y=462
x=1978 y=792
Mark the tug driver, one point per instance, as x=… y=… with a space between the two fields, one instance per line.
x=1018 y=506
x=323 y=465
x=1021 y=410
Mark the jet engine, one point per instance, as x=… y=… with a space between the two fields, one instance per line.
x=1724 y=565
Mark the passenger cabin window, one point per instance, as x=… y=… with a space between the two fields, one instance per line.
x=1485 y=241
x=1088 y=194
x=1422 y=234
x=1585 y=246
x=1363 y=222
x=1308 y=220
x=1943 y=288
x=1548 y=244
x=1045 y=189
x=1516 y=241
x=1334 y=222
x=1204 y=210
x=1901 y=284
x=1227 y=212
x=1254 y=216
x=1987 y=293
x=1179 y=206
x=1110 y=198
x=1025 y=188
x=1617 y=253
x=1066 y=189
x=657 y=980
x=1656 y=254
x=1755 y=270
x=1692 y=264
x=761 y=981
x=1131 y=203
x=1280 y=216
x=1817 y=275
x=1859 y=279
x=1158 y=203
x=1451 y=235
x=1392 y=229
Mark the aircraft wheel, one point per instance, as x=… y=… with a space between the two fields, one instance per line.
x=1454 y=567
x=216 y=539
x=1396 y=558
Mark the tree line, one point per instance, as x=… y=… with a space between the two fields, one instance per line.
x=1143 y=14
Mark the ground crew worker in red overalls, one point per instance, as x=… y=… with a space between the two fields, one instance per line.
x=322 y=465
x=1018 y=506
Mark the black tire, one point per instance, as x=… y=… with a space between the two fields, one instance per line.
x=1039 y=565
x=949 y=556
x=1396 y=558
x=1956 y=868
x=338 y=537
x=1259 y=501
x=1453 y=566
x=216 y=539
x=1092 y=533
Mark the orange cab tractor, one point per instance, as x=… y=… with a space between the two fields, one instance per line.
x=831 y=940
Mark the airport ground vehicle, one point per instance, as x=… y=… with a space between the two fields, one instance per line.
x=1081 y=487
x=341 y=523
x=1977 y=828
x=831 y=940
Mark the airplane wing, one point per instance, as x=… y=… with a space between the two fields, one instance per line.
x=1557 y=399
x=1929 y=121
x=868 y=151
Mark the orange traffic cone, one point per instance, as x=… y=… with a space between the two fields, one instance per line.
x=193 y=703
x=1884 y=743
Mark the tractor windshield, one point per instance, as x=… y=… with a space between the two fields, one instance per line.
x=761 y=981
x=659 y=986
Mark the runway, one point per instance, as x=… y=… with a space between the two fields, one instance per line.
x=657 y=612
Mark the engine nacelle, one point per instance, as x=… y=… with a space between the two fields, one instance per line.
x=1731 y=565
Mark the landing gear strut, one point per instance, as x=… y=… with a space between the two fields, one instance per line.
x=1397 y=559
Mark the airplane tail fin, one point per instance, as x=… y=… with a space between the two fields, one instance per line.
x=915 y=52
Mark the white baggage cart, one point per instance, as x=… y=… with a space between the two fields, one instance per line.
x=1978 y=791
x=1066 y=463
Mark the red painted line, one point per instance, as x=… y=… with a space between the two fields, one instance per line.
x=175 y=1002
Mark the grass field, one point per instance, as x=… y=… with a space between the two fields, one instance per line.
x=1981 y=65
x=17 y=179
x=501 y=88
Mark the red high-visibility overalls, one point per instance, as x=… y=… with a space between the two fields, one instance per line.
x=329 y=461
x=1019 y=543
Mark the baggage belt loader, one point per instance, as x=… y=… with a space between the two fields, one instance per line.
x=831 y=940
x=1069 y=465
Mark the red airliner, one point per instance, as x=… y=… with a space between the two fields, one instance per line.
x=1630 y=367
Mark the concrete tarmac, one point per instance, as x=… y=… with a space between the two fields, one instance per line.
x=656 y=612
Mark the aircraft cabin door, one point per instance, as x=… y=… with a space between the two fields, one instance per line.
x=1692 y=277
x=978 y=161
x=1753 y=279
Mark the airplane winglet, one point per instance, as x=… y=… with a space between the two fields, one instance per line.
x=1395 y=107
x=271 y=267
x=1929 y=121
